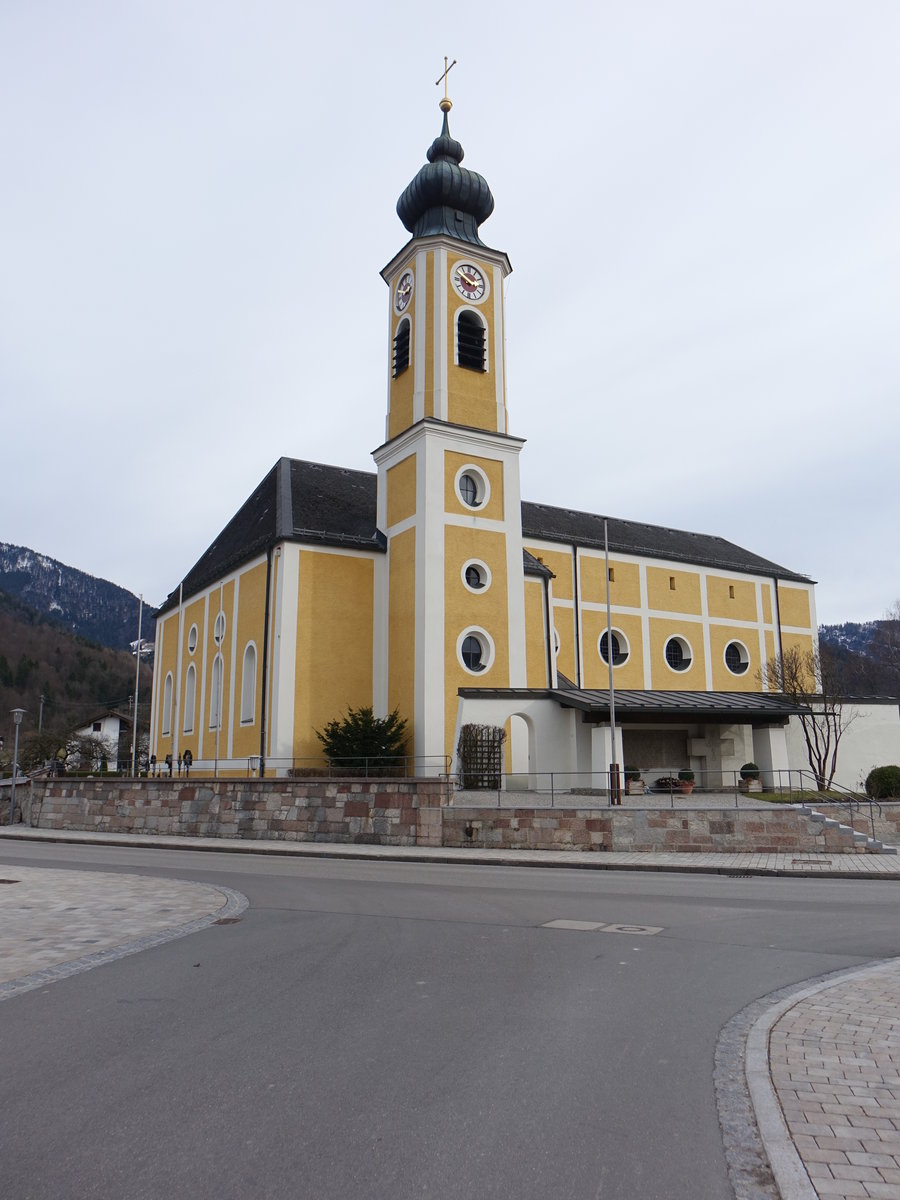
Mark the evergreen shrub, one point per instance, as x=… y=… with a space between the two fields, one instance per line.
x=883 y=783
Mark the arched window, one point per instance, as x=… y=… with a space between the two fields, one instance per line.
x=401 y=347
x=215 y=698
x=166 y=724
x=473 y=653
x=248 y=685
x=190 y=696
x=737 y=659
x=470 y=341
x=678 y=654
x=619 y=648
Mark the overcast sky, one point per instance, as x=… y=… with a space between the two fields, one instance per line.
x=701 y=202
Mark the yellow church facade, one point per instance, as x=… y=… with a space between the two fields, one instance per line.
x=429 y=586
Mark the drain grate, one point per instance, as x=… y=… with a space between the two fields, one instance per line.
x=10 y=881
x=228 y=921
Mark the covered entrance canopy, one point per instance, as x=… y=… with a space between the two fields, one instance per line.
x=750 y=708
x=569 y=729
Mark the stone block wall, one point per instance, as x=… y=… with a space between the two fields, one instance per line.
x=417 y=812
x=382 y=812
x=690 y=831
x=885 y=818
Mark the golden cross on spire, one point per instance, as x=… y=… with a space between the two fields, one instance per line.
x=446 y=103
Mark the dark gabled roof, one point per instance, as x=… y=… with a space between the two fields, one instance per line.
x=534 y=566
x=333 y=506
x=631 y=706
x=297 y=501
x=545 y=523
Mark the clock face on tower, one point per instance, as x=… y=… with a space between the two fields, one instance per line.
x=403 y=294
x=469 y=281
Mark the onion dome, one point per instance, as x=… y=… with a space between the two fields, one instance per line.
x=445 y=197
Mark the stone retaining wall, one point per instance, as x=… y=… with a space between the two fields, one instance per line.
x=691 y=831
x=386 y=812
x=885 y=818
x=411 y=812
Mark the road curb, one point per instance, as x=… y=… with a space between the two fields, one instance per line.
x=453 y=856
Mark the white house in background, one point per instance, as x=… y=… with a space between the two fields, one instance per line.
x=106 y=730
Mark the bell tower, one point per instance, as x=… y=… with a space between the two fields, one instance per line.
x=448 y=474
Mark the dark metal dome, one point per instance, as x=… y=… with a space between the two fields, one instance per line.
x=445 y=197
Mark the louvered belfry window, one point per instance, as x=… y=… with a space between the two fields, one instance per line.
x=470 y=342
x=401 y=347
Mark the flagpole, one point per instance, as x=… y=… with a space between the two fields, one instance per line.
x=615 y=794
x=137 y=687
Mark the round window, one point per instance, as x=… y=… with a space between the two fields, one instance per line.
x=619 y=648
x=476 y=650
x=737 y=659
x=678 y=654
x=475 y=575
x=192 y=639
x=219 y=629
x=472 y=487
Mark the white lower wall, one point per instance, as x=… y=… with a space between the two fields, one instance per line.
x=872 y=739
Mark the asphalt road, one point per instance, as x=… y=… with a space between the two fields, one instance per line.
x=382 y=1031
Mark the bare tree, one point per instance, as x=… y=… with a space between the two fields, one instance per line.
x=811 y=678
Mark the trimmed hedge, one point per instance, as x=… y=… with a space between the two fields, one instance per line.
x=883 y=783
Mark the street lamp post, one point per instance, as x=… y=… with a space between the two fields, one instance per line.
x=17 y=715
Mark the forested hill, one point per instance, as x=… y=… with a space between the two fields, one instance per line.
x=77 y=679
x=92 y=608
x=866 y=656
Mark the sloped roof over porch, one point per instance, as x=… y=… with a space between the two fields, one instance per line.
x=647 y=707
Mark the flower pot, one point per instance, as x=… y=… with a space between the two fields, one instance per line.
x=686 y=787
x=634 y=787
x=750 y=785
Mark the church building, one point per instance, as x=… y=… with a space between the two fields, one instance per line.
x=429 y=586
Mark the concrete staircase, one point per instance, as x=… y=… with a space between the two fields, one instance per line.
x=866 y=844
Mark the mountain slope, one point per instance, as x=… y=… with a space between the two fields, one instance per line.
x=92 y=608
x=77 y=679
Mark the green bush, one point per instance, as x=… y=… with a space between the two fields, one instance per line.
x=686 y=776
x=632 y=774
x=750 y=771
x=363 y=744
x=883 y=783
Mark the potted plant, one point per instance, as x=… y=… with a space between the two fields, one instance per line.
x=750 y=778
x=667 y=783
x=634 y=785
x=686 y=782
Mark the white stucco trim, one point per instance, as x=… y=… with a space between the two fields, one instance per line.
x=420 y=308
x=200 y=716
x=707 y=646
x=499 y=350
x=441 y=353
x=429 y=637
x=233 y=671
x=381 y=589
x=286 y=652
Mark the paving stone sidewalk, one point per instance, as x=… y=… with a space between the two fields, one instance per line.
x=834 y=1063
x=54 y=923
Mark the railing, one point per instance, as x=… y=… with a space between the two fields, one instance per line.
x=657 y=784
x=841 y=796
x=376 y=766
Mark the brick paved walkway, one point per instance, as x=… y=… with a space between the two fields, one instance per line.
x=57 y=923
x=834 y=1059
